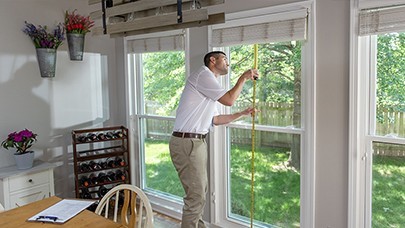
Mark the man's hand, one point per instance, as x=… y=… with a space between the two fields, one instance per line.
x=249 y=111
x=225 y=119
x=251 y=74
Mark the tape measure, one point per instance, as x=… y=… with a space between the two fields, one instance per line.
x=252 y=192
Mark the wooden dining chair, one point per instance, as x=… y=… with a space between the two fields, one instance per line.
x=130 y=205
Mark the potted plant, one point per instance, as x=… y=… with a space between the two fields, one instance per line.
x=46 y=44
x=22 y=141
x=76 y=27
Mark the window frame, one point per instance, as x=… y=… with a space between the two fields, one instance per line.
x=362 y=115
x=134 y=90
x=307 y=131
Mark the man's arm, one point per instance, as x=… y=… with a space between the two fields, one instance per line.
x=229 y=98
x=225 y=119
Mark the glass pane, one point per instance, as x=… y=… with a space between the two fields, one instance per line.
x=163 y=78
x=159 y=170
x=390 y=85
x=278 y=90
x=277 y=182
x=388 y=195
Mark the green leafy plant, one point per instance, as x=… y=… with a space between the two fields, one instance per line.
x=22 y=141
x=76 y=23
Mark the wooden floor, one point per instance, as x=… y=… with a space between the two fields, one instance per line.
x=162 y=221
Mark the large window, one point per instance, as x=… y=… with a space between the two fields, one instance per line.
x=278 y=134
x=377 y=190
x=157 y=75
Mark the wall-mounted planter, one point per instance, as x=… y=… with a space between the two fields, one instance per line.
x=47 y=61
x=76 y=46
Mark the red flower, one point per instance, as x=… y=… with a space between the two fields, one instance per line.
x=75 y=23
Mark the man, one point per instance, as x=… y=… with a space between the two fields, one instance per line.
x=196 y=113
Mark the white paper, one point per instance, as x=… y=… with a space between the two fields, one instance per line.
x=61 y=211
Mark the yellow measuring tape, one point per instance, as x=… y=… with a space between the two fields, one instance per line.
x=252 y=202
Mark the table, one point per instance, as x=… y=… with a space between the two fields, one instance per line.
x=17 y=217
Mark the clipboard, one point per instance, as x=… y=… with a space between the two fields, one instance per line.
x=62 y=211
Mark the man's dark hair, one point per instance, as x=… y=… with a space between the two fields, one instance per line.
x=212 y=53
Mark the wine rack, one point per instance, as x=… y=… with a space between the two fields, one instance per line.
x=101 y=160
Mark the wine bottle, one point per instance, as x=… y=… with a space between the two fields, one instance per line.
x=93 y=179
x=111 y=176
x=81 y=138
x=102 y=191
x=103 y=164
x=111 y=164
x=84 y=167
x=109 y=135
x=85 y=194
x=84 y=181
x=91 y=137
x=94 y=166
x=101 y=136
x=119 y=175
x=119 y=162
x=118 y=134
x=102 y=178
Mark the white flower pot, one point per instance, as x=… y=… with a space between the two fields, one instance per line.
x=24 y=161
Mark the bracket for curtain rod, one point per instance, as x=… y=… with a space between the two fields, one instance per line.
x=103 y=2
x=179 y=12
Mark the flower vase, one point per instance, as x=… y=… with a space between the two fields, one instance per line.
x=47 y=61
x=24 y=161
x=76 y=46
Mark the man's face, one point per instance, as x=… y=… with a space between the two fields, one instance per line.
x=221 y=64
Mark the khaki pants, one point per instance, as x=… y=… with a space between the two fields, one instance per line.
x=189 y=157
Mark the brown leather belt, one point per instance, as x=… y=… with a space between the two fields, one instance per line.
x=189 y=135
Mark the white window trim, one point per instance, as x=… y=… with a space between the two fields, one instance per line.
x=218 y=159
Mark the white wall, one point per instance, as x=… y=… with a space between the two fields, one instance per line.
x=332 y=120
x=80 y=95
x=83 y=94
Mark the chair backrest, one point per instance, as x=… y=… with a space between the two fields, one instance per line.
x=131 y=201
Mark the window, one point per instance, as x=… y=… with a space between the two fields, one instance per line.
x=157 y=75
x=377 y=172
x=279 y=127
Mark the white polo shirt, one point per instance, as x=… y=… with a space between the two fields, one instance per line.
x=198 y=102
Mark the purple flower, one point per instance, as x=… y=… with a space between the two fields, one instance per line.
x=22 y=140
x=26 y=133
x=42 y=38
x=11 y=135
x=18 y=138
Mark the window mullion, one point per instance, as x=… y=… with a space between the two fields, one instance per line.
x=373 y=84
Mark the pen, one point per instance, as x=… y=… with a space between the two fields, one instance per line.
x=47 y=217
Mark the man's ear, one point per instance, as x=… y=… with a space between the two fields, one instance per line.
x=212 y=59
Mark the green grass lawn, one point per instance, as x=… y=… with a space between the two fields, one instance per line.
x=277 y=187
x=388 y=192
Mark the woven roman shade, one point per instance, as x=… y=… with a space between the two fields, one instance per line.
x=264 y=29
x=381 y=20
x=156 y=44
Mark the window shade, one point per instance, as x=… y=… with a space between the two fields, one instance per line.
x=274 y=31
x=381 y=20
x=155 y=44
